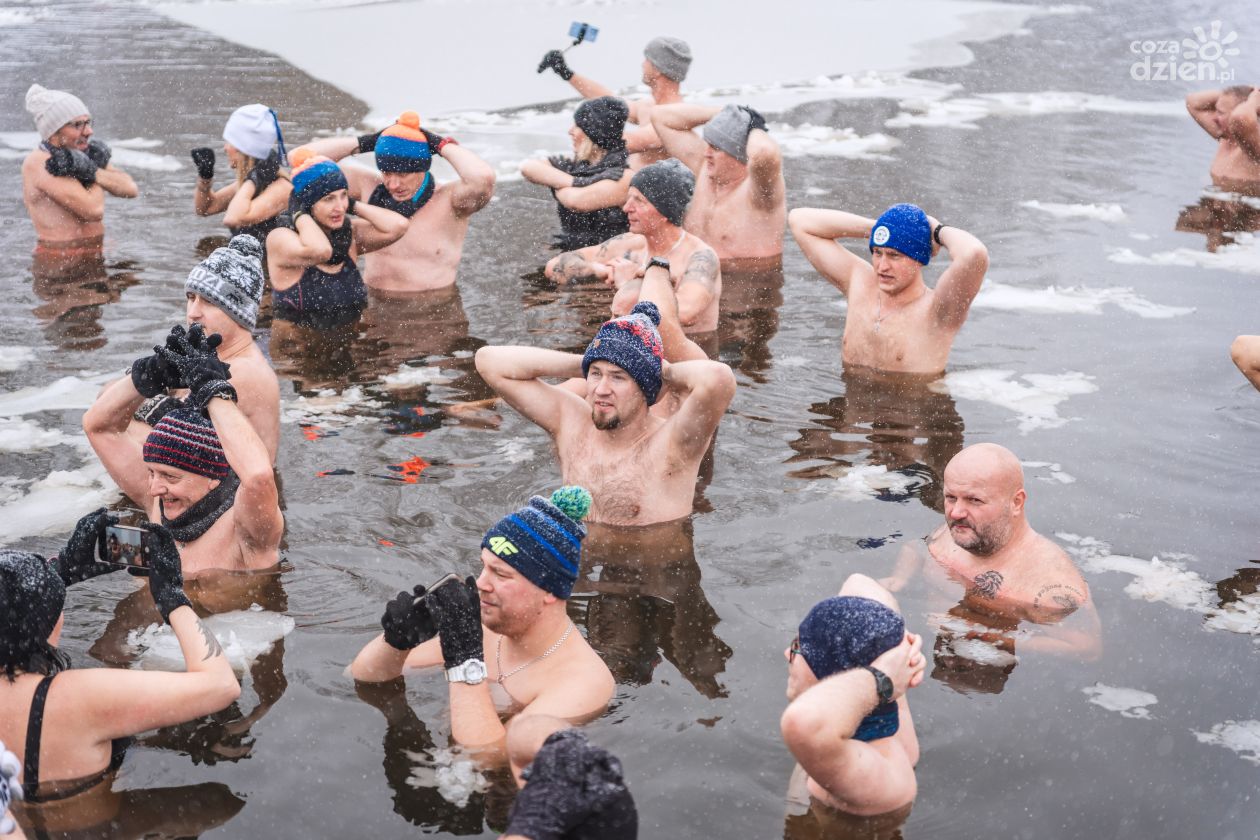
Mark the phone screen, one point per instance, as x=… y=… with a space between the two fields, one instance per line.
x=583 y=31
x=126 y=545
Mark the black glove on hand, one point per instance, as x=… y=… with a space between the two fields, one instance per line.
x=203 y=159
x=407 y=621
x=166 y=573
x=568 y=783
x=153 y=375
x=78 y=561
x=367 y=142
x=436 y=141
x=264 y=173
x=199 y=365
x=99 y=152
x=755 y=120
x=350 y=202
x=554 y=60
x=71 y=163
x=457 y=610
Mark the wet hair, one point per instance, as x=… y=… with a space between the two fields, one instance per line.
x=31 y=597
x=1239 y=91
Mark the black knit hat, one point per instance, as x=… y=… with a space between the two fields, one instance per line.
x=604 y=121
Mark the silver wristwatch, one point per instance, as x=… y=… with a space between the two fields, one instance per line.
x=472 y=672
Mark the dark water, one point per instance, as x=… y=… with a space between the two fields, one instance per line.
x=1162 y=452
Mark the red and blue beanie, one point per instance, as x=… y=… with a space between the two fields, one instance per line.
x=186 y=439
x=848 y=632
x=314 y=176
x=904 y=228
x=403 y=147
x=543 y=540
x=633 y=344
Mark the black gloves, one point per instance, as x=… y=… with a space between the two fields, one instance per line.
x=554 y=60
x=367 y=142
x=573 y=789
x=407 y=621
x=99 y=153
x=437 y=141
x=71 y=163
x=153 y=375
x=166 y=573
x=78 y=561
x=457 y=611
x=755 y=120
x=203 y=159
x=350 y=202
x=199 y=365
x=264 y=173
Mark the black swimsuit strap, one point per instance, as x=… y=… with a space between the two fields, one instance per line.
x=34 y=728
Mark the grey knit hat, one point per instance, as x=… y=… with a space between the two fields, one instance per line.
x=52 y=109
x=668 y=186
x=728 y=132
x=672 y=56
x=232 y=279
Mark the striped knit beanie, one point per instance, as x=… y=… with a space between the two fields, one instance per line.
x=186 y=440
x=314 y=176
x=403 y=147
x=543 y=540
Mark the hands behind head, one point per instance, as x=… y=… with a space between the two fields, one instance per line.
x=932 y=223
x=407 y=621
x=456 y=608
x=264 y=173
x=78 y=560
x=755 y=120
x=904 y=664
x=203 y=159
x=164 y=570
x=157 y=374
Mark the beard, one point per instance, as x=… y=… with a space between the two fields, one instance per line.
x=605 y=422
x=981 y=542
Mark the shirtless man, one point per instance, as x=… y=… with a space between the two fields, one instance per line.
x=740 y=202
x=895 y=321
x=665 y=64
x=427 y=256
x=1245 y=352
x=641 y=468
x=848 y=722
x=659 y=194
x=223 y=293
x=1230 y=117
x=64 y=181
x=504 y=639
x=209 y=481
x=1004 y=567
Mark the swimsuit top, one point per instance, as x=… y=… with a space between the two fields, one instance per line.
x=30 y=767
x=324 y=300
x=258 y=230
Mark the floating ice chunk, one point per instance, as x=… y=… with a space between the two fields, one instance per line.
x=1097 y=212
x=936 y=113
x=53 y=504
x=1241 y=736
x=1242 y=255
x=244 y=635
x=1070 y=300
x=869 y=481
x=1159 y=580
x=980 y=651
x=816 y=191
x=25 y=436
x=1056 y=471
x=821 y=141
x=456 y=777
x=408 y=376
x=13 y=357
x=514 y=452
x=1241 y=616
x=965 y=112
x=137 y=143
x=67 y=393
x=1127 y=701
x=1036 y=402
x=329 y=407
x=19 y=17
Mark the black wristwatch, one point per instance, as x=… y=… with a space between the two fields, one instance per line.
x=657 y=261
x=883 y=685
x=936 y=234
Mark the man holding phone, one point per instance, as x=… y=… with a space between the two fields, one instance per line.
x=203 y=471
x=504 y=639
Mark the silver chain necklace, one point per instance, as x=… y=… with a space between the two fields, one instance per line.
x=498 y=655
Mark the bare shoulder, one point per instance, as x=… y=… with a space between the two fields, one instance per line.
x=1060 y=584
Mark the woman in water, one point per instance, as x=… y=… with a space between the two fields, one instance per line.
x=591 y=186
x=255 y=150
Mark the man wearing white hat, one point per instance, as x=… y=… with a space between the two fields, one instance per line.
x=64 y=181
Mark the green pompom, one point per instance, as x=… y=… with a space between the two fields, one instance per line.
x=574 y=501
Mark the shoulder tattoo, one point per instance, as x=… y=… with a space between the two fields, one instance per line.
x=1060 y=598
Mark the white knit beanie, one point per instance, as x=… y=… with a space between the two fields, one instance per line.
x=52 y=109
x=252 y=130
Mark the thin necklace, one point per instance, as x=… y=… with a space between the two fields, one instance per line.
x=675 y=248
x=498 y=655
x=879 y=316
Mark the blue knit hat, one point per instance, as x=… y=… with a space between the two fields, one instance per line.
x=904 y=228
x=403 y=147
x=314 y=176
x=633 y=344
x=543 y=540
x=848 y=632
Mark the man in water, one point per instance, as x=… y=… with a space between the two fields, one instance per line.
x=659 y=194
x=224 y=292
x=895 y=321
x=1245 y=352
x=427 y=256
x=641 y=468
x=740 y=202
x=505 y=639
x=848 y=722
x=665 y=64
x=203 y=471
x=65 y=180
x=1229 y=116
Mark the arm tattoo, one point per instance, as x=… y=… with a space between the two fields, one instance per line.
x=213 y=648
x=987 y=585
x=1060 y=598
x=702 y=268
x=608 y=246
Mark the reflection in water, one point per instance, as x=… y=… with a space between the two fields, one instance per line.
x=640 y=587
x=102 y=814
x=1219 y=219
x=883 y=419
x=974 y=652
x=809 y=819
x=313 y=358
x=71 y=280
x=752 y=292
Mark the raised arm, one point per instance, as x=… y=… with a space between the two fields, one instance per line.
x=515 y=374
x=765 y=168
x=959 y=284
x=105 y=424
x=1202 y=107
x=674 y=124
x=334 y=148
x=257 y=500
x=1244 y=127
x=475 y=187
x=304 y=245
x=816 y=231
x=376 y=227
x=207 y=201
x=658 y=289
x=707 y=388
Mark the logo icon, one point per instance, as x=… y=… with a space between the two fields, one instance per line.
x=880 y=236
x=502 y=547
x=1205 y=48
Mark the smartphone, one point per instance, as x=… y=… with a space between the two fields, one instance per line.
x=444 y=580
x=126 y=543
x=583 y=32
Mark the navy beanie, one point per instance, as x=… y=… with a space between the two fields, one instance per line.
x=905 y=228
x=604 y=121
x=543 y=540
x=633 y=344
x=847 y=632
